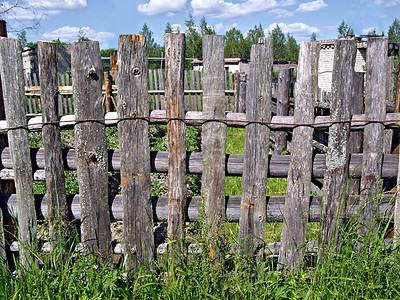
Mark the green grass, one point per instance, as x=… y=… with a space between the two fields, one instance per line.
x=365 y=270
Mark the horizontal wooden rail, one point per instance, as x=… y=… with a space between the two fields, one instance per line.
x=269 y=249
x=278 y=165
x=275 y=207
x=68 y=89
x=195 y=118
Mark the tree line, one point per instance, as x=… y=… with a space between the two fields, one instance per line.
x=236 y=43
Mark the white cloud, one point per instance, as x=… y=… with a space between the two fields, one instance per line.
x=69 y=34
x=176 y=27
x=281 y=13
x=162 y=7
x=37 y=9
x=300 y=31
x=287 y=2
x=226 y=9
x=368 y=30
x=388 y=3
x=311 y=6
x=221 y=28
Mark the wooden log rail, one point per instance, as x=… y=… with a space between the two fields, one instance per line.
x=278 y=165
x=274 y=207
x=232 y=119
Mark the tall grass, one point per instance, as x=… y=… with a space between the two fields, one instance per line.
x=362 y=268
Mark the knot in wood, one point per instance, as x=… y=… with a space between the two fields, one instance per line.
x=136 y=72
x=92 y=157
x=92 y=74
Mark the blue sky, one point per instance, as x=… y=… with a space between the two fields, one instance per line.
x=104 y=20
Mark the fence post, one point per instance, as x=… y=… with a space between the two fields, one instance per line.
x=241 y=86
x=54 y=168
x=174 y=97
x=214 y=133
x=108 y=92
x=91 y=147
x=356 y=137
x=375 y=109
x=135 y=151
x=15 y=107
x=255 y=166
x=282 y=108
x=6 y=186
x=295 y=219
x=338 y=155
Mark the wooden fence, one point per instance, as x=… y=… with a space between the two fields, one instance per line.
x=235 y=91
x=134 y=160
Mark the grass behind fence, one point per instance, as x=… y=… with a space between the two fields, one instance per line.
x=365 y=270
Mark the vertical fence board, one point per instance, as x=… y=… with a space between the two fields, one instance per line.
x=241 y=91
x=57 y=208
x=188 y=105
x=214 y=133
x=375 y=109
x=174 y=96
x=255 y=166
x=337 y=158
x=282 y=108
x=135 y=151
x=91 y=147
x=296 y=211
x=153 y=99
x=356 y=137
x=11 y=69
x=161 y=85
x=197 y=101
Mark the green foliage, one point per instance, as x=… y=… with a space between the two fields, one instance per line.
x=107 y=52
x=168 y=28
x=394 y=31
x=254 y=34
x=313 y=37
x=236 y=45
x=205 y=28
x=292 y=48
x=193 y=39
x=279 y=40
x=58 y=42
x=344 y=30
x=153 y=49
x=82 y=36
x=21 y=36
x=285 y=46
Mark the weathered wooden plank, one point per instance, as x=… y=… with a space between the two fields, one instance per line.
x=70 y=106
x=356 y=137
x=282 y=108
x=64 y=106
x=11 y=69
x=161 y=85
x=299 y=178
x=135 y=151
x=214 y=133
x=278 y=165
x=5 y=186
x=275 y=206
x=338 y=155
x=375 y=98
x=59 y=226
x=188 y=97
x=153 y=99
x=254 y=180
x=197 y=96
x=91 y=148
x=174 y=82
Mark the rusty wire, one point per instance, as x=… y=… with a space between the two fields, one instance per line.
x=202 y=121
